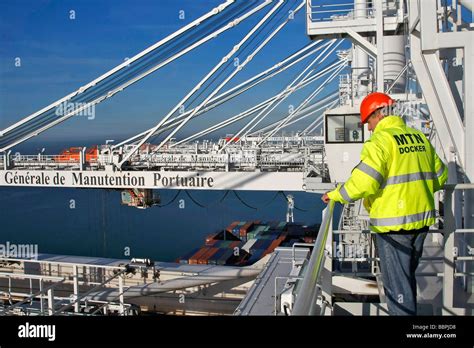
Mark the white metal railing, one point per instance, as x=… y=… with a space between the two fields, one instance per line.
x=43 y=293
x=451 y=252
x=36 y=161
x=40 y=159
x=345 y=88
x=306 y=299
x=82 y=275
x=337 y=12
x=349 y=10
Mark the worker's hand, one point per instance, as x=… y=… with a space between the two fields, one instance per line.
x=325 y=198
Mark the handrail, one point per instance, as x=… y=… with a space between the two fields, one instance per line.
x=306 y=298
x=36 y=294
x=450 y=250
x=462 y=186
x=85 y=295
x=349 y=10
x=30 y=276
x=63 y=263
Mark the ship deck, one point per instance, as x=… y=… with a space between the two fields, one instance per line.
x=260 y=299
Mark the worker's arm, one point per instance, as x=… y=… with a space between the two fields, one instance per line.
x=367 y=176
x=441 y=171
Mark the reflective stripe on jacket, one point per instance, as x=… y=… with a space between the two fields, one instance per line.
x=398 y=174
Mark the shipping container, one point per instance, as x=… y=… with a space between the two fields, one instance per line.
x=204 y=258
x=225 y=235
x=224 y=257
x=249 y=244
x=274 y=224
x=267 y=243
x=251 y=237
x=268 y=236
x=225 y=244
x=231 y=226
x=184 y=259
x=255 y=256
x=232 y=245
x=239 y=225
x=211 y=242
x=212 y=260
x=217 y=244
x=274 y=245
x=256 y=245
x=245 y=228
x=238 y=259
x=254 y=235
x=193 y=260
x=73 y=154
x=236 y=229
x=236 y=233
x=261 y=244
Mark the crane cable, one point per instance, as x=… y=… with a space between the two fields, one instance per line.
x=279 y=193
x=192 y=199
x=242 y=201
x=168 y=203
x=244 y=50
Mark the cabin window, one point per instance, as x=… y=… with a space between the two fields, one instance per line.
x=344 y=129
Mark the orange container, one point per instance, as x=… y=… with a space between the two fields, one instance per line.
x=245 y=228
x=231 y=226
x=234 y=244
x=211 y=242
x=274 y=245
x=193 y=260
x=207 y=255
x=73 y=154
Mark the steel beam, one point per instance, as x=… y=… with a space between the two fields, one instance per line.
x=380 y=45
x=362 y=42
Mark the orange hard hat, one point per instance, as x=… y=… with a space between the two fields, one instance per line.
x=373 y=102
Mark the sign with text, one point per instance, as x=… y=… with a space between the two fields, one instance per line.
x=265 y=181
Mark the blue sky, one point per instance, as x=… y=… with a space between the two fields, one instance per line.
x=59 y=54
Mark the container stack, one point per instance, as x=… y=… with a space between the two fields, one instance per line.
x=245 y=242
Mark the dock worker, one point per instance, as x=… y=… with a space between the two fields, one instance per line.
x=397 y=176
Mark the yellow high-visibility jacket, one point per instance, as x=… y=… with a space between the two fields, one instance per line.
x=398 y=174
